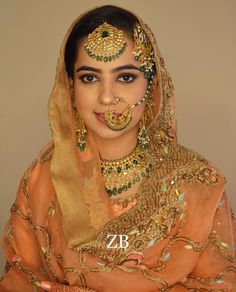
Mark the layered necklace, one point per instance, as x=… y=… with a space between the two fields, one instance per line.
x=121 y=174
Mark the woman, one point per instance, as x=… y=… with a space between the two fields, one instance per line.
x=114 y=203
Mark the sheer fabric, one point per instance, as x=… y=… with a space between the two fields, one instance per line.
x=180 y=229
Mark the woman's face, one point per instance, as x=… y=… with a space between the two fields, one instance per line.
x=97 y=85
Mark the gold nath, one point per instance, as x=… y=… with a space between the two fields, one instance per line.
x=105 y=43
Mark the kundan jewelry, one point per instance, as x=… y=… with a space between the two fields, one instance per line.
x=121 y=174
x=143 y=138
x=105 y=43
x=143 y=51
x=81 y=134
x=119 y=121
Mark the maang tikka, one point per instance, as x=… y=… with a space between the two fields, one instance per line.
x=105 y=43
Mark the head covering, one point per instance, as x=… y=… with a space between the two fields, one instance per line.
x=77 y=176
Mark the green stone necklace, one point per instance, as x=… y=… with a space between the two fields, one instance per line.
x=121 y=174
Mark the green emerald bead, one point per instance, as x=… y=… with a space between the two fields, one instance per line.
x=129 y=185
x=113 y=57
x=135 y=161
x=117 y=55
x=125 y=188
x=119 y=190
x=105 y=34
x=81 y=147
x=114 y=191
x=97 y=58
x=109 y=192
x=119 y=169
x=147 y=75
x=143 y=174
x=147 y=170
x=105 y=59
x=101 y=58
x=142 y=68
x=110 y=58
x=127 y=166
x=110 y=170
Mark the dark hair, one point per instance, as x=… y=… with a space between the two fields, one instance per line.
x=116 y=16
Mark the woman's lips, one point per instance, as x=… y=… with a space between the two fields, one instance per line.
x=100 y=117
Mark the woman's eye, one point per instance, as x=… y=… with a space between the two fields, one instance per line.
x=87 y=78
x=127 y=78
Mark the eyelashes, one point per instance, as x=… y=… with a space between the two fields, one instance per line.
x=88 y=78
x=125 y=78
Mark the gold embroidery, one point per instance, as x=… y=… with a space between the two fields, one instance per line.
x=223 y=246
x=47 y=155
x=16 y=208
x=212 y=280
x=26 y=178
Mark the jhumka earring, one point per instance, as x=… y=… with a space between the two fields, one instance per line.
x=143 y=139
x=81 y=135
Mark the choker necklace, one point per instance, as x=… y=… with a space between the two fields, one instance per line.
x=120 y=175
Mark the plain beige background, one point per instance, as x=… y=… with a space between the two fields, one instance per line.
x=197 y=39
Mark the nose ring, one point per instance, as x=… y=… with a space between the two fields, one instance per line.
x=118 y=121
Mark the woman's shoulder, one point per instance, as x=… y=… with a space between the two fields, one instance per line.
x=45 y=154
x=187 y=165
x=199 y=167
x=39 y=169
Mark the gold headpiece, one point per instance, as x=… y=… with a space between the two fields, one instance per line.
x=105 y=43
x=143 y=51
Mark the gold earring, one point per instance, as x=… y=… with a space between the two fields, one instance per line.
x=81 y=134
x=143 y=138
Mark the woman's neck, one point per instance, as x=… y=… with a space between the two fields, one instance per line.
x=117 y=148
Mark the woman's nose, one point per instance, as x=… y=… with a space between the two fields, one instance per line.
x=106 y=95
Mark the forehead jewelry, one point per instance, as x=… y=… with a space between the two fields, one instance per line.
x=143 y=51
x=105 y=43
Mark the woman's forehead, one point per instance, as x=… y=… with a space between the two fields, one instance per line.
x=127 y=57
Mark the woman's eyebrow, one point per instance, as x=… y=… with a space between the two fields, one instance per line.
x=88 y=68
x=120 y=68
x=125 y=67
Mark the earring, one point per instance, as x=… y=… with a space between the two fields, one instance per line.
x=143 y=139
x=81 y=135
